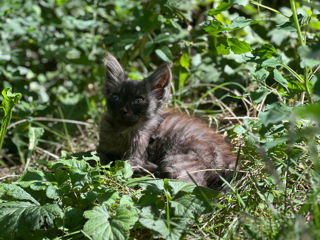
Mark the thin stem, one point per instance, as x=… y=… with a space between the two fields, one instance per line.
x=302 y=43
x=296 y=22
x=266 y=7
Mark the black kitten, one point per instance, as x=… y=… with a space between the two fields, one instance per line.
x=163 y=141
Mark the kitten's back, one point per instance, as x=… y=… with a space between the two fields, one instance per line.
x=183 y=142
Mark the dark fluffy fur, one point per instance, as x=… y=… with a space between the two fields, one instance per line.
x=163 y=141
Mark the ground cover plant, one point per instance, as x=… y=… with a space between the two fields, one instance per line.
x=249 y=68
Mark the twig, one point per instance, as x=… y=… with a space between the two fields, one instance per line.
x=48 y=119
x=47 y=152
x=9 y=176
x=240 y=118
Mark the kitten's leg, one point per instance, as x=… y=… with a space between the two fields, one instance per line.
x=176 y=167
x=142 y=167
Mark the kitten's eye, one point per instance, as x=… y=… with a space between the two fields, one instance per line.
x=115 y=98
x=138 y=100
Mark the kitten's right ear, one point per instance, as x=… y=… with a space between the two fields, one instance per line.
x=114 y=72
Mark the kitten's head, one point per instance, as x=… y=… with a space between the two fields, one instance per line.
x=130 y=102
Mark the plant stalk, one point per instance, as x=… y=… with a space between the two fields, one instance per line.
x=302 y=42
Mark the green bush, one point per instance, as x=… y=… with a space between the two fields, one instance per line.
x=251 y=67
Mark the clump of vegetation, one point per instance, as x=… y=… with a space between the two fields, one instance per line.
x=250 y=67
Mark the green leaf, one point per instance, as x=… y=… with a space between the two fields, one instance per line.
x=279 y=78
x=309 y=111
x=310 y=56
x=165 y=54
x=34 y=135
x=237 y=46
x=9 y=100
x=103 y=224
x=14 y=192
x=275 y=113
x=185 y=60
x=272 y=62
x=222 y=46
x=265 y=52
x=21 y=220
x=222 y=7
x=261 y=75
x=258 y=95
x=213 y=27
x=240 y=22
x=121 y=170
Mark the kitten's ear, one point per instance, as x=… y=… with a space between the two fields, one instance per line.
x=114 y=72
x=159 y=82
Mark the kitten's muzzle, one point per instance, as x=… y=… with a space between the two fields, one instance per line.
x=124 y=111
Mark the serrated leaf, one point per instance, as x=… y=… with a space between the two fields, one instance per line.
x=237 y=46
x=21 y=220
x=189 y=206
x=222 y=46
x=213 y=27
x=271 y=62
x=279 y=78
x=240 y=22
x=274 y=114
x=185 y=60
x=261 y=75
x=14 y=192
x=121 y=170
x=222 y=7
x=103 y=225
x=310 y=56
x=265 y=52
x=151 y=219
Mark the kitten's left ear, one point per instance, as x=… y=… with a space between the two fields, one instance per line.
x=159 y=82
x=114 y=72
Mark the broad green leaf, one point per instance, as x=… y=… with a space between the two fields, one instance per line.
x=21 y=220
x=237 y=46
x=185 y=60
x=264 y=52
x=274 y=114
x=222 y=7
x=9 y=100
x=279 y=78
x=261 y=75
x=213 y=27
x=222 y=46
x=309 y=111
x=258 y=95
x=189 y=206
x=310 y=56
x=14 y=192
x=103 y=224
x=240 y=22
x=271 y=62
x=152 y=219
x=275 y=142
x=121 y=169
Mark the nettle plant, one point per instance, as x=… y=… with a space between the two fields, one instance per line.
x=70 y=199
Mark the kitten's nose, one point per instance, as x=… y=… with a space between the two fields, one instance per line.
x=123 y=111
